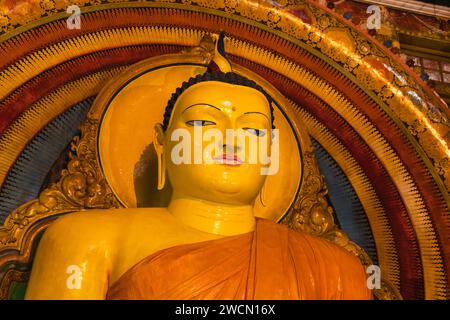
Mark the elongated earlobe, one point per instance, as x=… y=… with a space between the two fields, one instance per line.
x=262 y=195
x=161 y=172
x=158 y=140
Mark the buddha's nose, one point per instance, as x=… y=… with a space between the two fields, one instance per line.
x=231 y=148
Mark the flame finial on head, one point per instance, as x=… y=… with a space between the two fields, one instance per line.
x=219 y=63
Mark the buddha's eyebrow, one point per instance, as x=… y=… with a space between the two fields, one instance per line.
x=202 y=104
x=258 y=113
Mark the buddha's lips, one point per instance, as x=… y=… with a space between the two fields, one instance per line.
x=228 y=159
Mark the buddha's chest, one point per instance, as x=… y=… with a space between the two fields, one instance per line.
x=140 y=245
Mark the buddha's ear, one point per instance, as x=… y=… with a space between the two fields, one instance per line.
x=158 y=143
x=158 y=137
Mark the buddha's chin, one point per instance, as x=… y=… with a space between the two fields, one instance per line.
x=227 y=190
x=231 y=197
x=233 y=193
x=221 y=183
x=224 y=193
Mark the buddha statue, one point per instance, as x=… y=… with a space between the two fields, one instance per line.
x=207 y=244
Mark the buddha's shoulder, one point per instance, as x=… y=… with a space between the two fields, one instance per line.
x=108 y=224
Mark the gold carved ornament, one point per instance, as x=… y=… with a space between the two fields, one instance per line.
x=80 y=187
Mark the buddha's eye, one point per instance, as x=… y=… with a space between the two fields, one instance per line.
x=256 y=132
x=199 y=123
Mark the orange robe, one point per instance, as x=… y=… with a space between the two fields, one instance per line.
x=272 y=262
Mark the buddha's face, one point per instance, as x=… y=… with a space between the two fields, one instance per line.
x=223 y=170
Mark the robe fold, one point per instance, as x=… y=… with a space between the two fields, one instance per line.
x=270 y=263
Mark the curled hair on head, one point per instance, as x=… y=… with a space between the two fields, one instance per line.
x=229 y=77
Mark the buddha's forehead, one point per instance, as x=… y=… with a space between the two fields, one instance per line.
x=224 y=96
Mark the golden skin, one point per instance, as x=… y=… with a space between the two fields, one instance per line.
x=209 y=201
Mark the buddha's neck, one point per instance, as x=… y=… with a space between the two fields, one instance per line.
x=212 y=217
